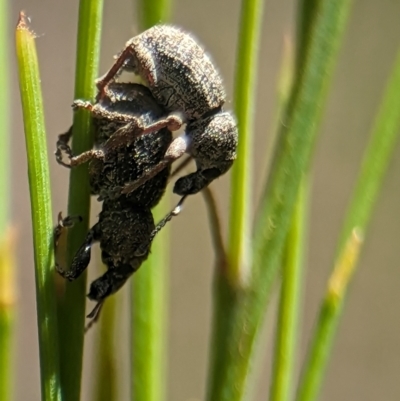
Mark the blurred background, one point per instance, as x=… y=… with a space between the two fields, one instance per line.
x=365 y=362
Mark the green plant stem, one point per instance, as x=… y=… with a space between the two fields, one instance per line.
x=328 y=319
x=149 y=311
x=286 y=338
x=385 y=135
x=289 y=309
x=39 y=185
x=232 y=272
x=72 y=306
x=153 y=12
x=150 y=283
x=283 y=89
x=105 y=385
x=292 y=158
x=239 y=257
x=7 y=319
x=384 y=138
x=215 y=227
x=7 y=313
x=306 y=14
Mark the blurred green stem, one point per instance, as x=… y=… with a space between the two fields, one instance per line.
x=232 y=273
x=153 y=12
x=244 y=310
x=239 y=257
x=105 y=385
x=7 y=313
x=385 y=136
x=289 y=309
x=293 y=258
x=39 y=185
x=328 y=319
x=149 y=313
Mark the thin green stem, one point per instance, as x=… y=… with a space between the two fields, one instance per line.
x=7 y=320
x=239 y=257
x=150 y=283
x=289 y=309
x=72 y=306
x=105 y=384
x=306 y=13
x=149 y=313
x=385 y=135
x=294 y=150
x=39 y=185
x=328 y=319
x=284 y=87
x=236 y=266
x=7 y=313
x=153 y=12
x=215 y=227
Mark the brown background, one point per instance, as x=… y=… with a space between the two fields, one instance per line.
x=366 y=358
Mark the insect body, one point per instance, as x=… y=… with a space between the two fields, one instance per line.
x=125 y=235
x=183 y=80
x=126 y=227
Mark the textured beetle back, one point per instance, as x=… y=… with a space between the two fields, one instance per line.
x=179 y=73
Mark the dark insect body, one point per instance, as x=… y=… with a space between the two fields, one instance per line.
x=126 y=227
x=113 y=162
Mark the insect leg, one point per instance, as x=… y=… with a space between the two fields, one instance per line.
x=134 y=129
x=175 y=150
x=161 y=224
x=100 y=111
x=114 y=71
x=82 y=258
x=62 y=146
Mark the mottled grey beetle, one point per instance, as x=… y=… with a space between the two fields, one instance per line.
x=184 y=81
